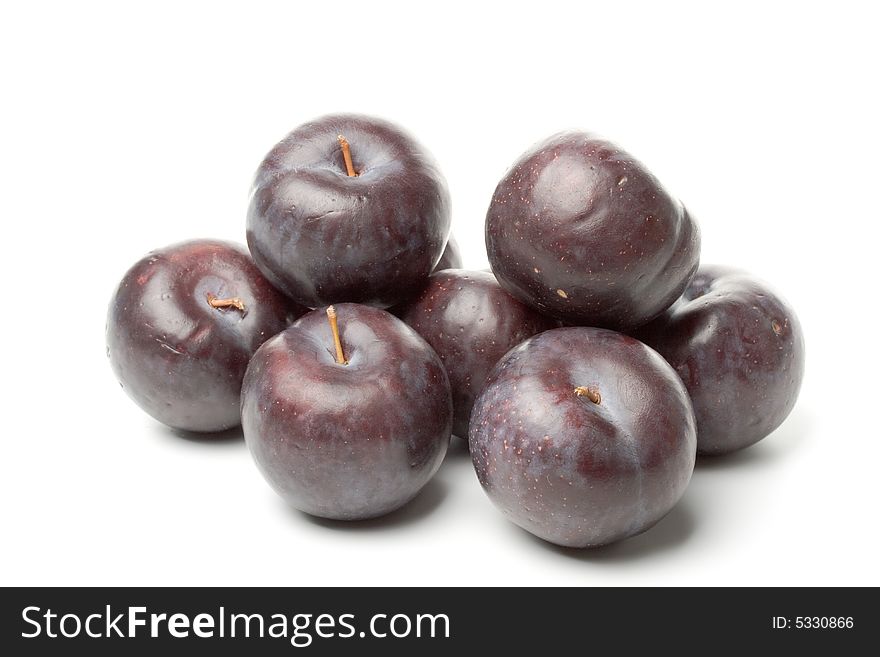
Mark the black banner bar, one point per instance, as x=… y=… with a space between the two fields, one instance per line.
x=430 y=621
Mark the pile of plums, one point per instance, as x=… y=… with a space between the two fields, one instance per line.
x=586 y=370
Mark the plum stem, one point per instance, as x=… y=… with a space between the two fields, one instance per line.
x=346 y=155
x=334 y=328
x=233 y=302
x=590 y=393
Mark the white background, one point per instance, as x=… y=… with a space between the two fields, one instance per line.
x=126 y=129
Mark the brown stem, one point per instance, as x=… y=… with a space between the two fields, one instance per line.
x=590 y=393
x=346 y=155
x=334 y=328
x=233 y=302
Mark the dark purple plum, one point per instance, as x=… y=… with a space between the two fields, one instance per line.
x=354 y=439
x=451 y=258
x=739 y=349
x=182 y=326
x=583 y=436
x=581 y=230
x=471 y=323
x=325 y=234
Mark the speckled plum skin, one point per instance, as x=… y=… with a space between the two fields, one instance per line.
x=179 y=358
x=471 y=323
x=324 y=237
x=739 y=349
x=354 y=441
x=451 y=258
x=571 y=471
x=581 y=230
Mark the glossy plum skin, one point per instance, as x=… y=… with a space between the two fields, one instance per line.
x=324 y=237
x=451 y=258
x=578 y=472
x=739 y=349
x=179 y=358
x=471 y=323
x=347 y=441
x=581 y=230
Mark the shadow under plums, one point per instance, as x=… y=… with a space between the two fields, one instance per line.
x=231 y=436
x=789 y=436
x=431 y=496
x=681 y=523
x=458 y=449
x=671 y=532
